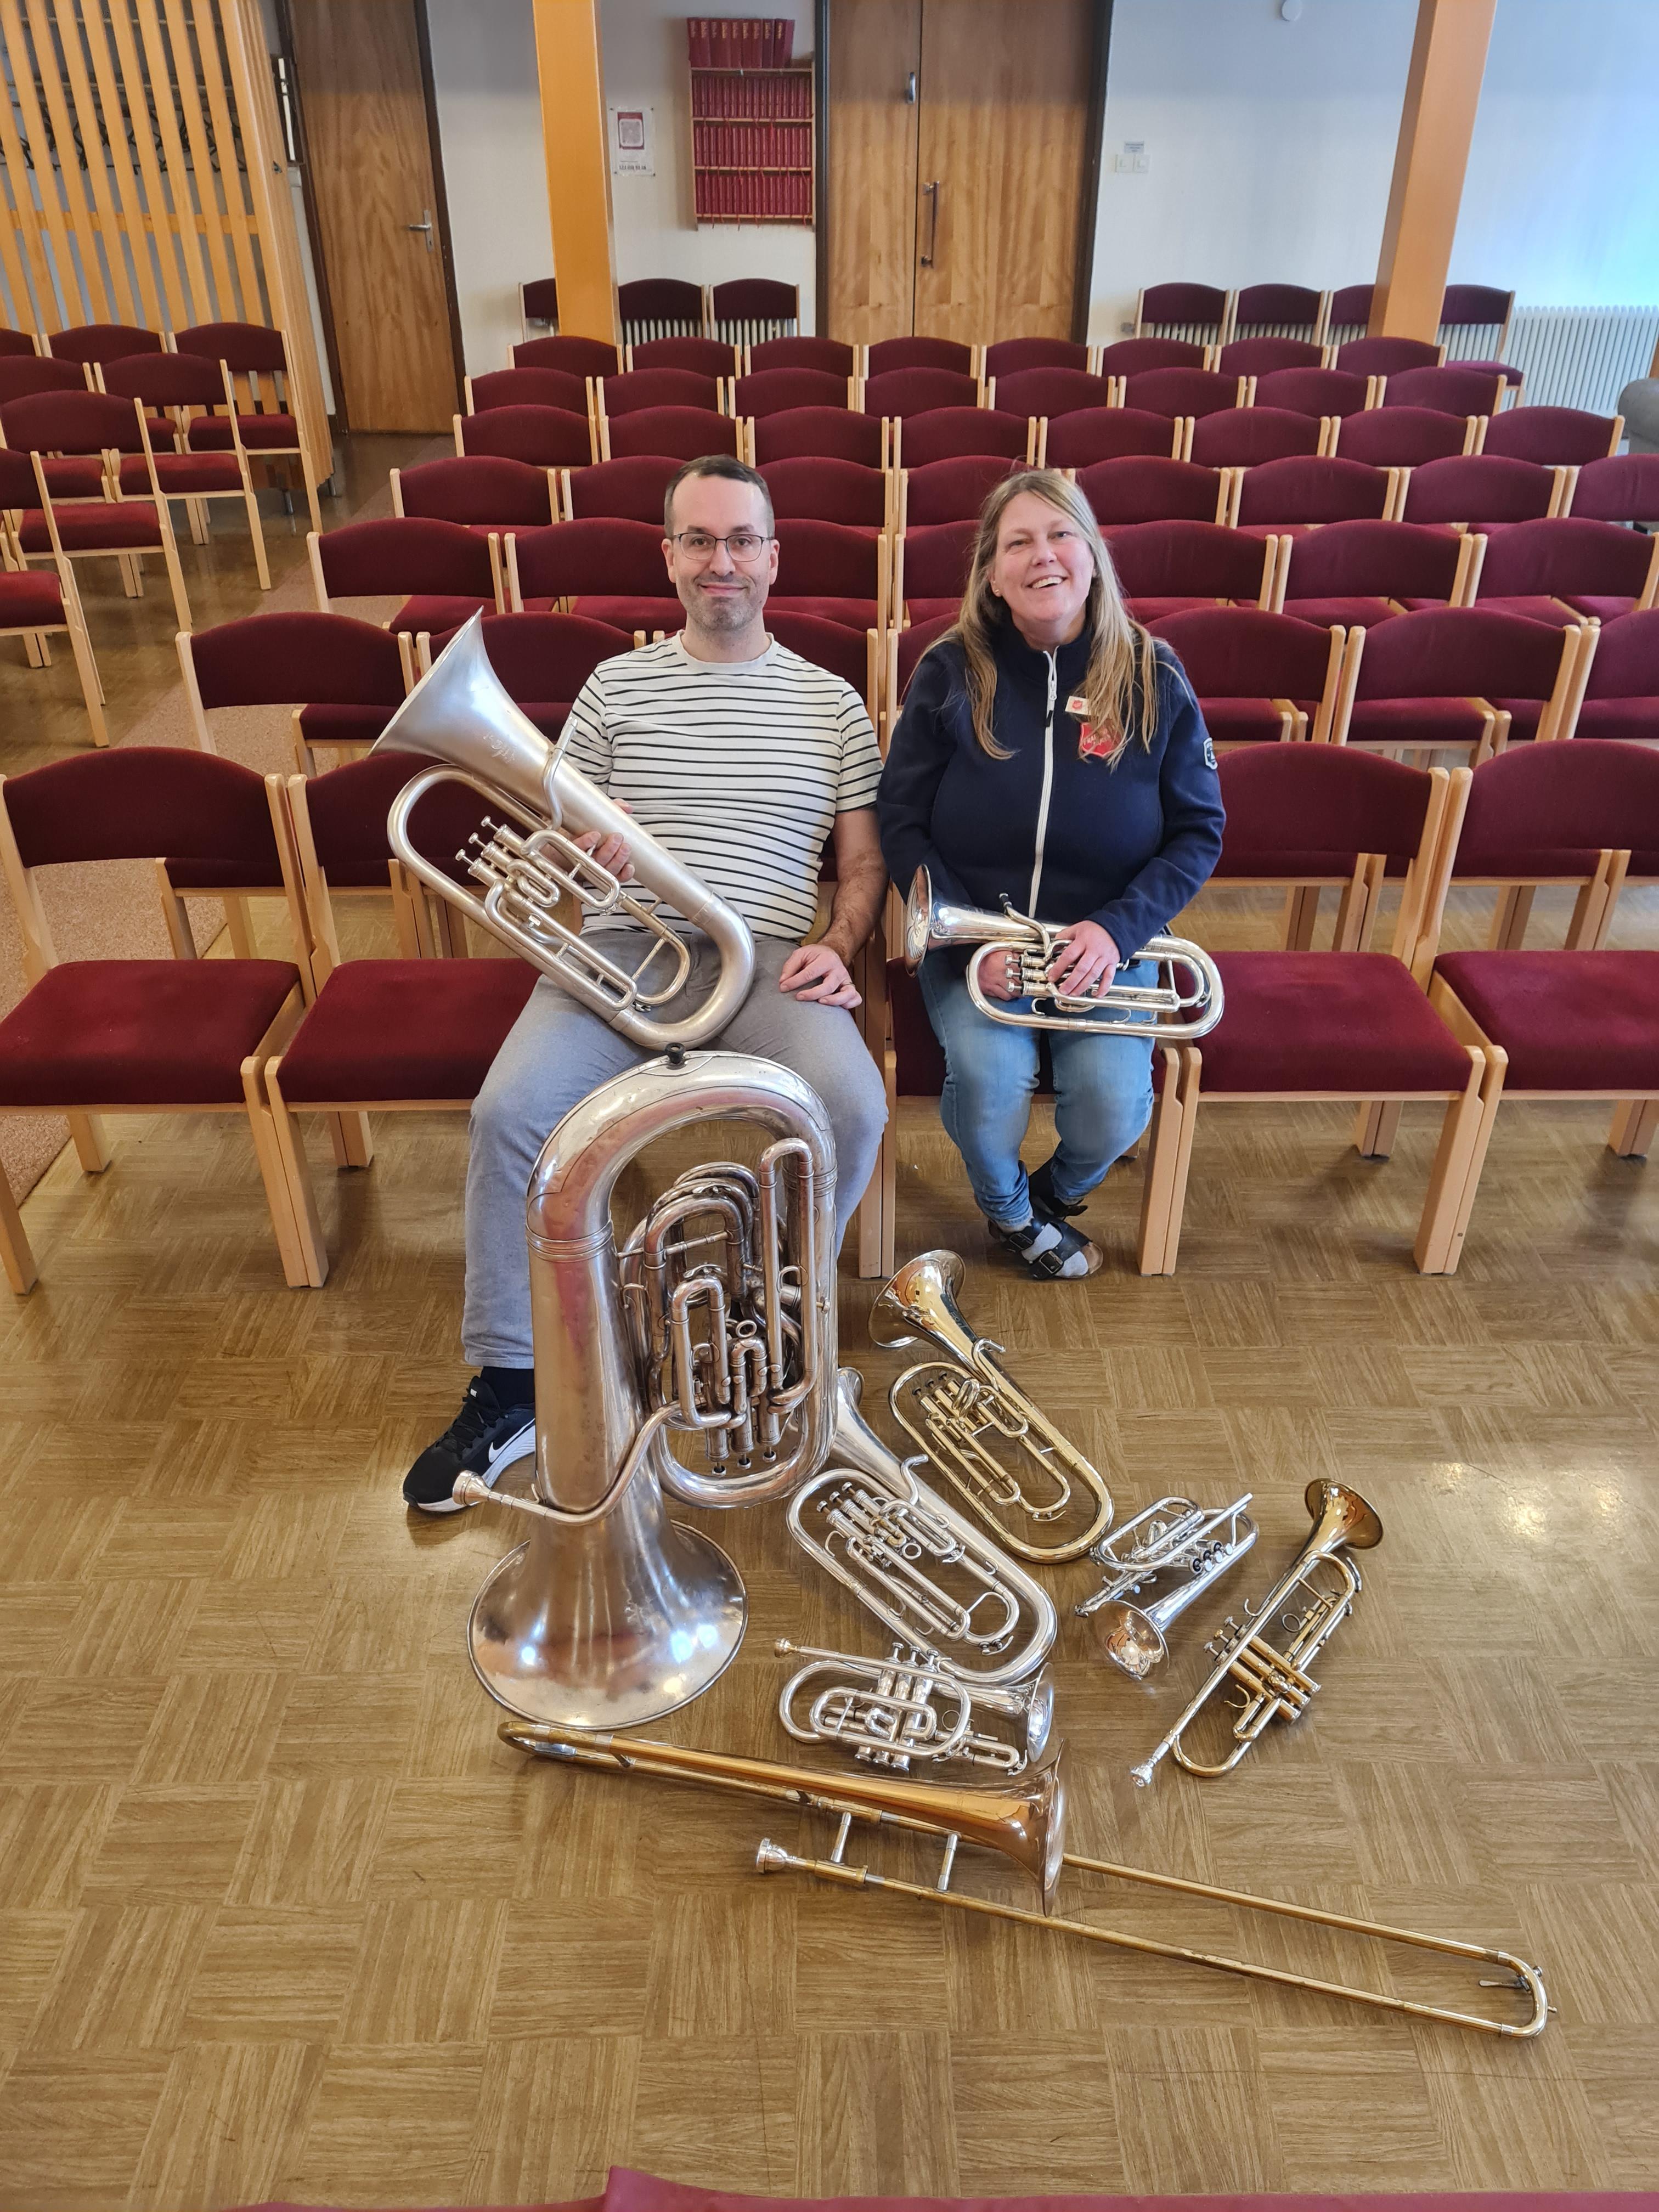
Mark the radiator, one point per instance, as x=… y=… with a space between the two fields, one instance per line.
x=1570 y=356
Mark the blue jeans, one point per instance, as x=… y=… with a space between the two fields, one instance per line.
x=1102 y=1092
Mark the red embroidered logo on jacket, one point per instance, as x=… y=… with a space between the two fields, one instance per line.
x=1090 y=744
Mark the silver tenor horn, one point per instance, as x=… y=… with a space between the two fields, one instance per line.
x=909 y=1707
x=1181 y=1547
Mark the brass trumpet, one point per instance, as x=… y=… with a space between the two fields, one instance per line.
x=1276 y=1685
x=911 y=1706
x=973 y=1422
x=1173 y=1541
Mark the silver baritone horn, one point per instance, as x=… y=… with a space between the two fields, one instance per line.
x=1168 y=1011
x=461 y=716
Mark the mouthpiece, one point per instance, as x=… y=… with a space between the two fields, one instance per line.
x=1143 y=1775
x=770 y=1859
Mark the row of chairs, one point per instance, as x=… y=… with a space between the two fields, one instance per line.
x=742 y=307
x=1211 y=311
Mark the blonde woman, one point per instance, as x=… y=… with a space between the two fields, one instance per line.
x=1051 y=751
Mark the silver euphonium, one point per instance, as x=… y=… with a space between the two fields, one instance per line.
x=910 y=1705
x=461 y=716
x=1179 y=1546
x=1167 y=1011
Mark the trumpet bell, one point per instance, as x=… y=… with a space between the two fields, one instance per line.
x=1342 y=1516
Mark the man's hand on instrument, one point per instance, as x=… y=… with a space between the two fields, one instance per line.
x=818 y=974
x=611 y=852
x=1087 y=960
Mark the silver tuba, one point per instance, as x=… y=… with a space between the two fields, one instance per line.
x=461 y=716
x=1168 y=1011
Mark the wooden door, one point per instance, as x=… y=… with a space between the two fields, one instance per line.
x=368 y=148
x=875 y=56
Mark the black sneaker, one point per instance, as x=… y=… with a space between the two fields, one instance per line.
x=1049 y=1251
x=482 y=1439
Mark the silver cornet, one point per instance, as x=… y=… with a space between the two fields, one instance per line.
x=1176 y=1545
x=1166 y=1012
x=911 y=1706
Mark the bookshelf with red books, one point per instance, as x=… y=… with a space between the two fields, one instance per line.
x=751 y=121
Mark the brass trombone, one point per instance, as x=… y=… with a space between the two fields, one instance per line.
x=1025 y=1820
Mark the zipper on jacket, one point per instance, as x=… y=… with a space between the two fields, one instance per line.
x=1047 y=781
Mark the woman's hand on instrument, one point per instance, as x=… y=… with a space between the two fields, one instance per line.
x=1087 y=960
x=818 y=974
x=999 y=975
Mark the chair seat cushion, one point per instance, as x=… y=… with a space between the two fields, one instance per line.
x=1604 y=605
x=74 y=476
x=435 y=612
x=139 y=1032
x=184 y=474
x=261 y=433
x=625 y=612
x=1330 y=1024
x=97 y=525
x=1585 y=1021
x=31 y=600
x=1415 y=722
x=1362 y=613
x=1536 y=606
x=1248 y=721
x=1635 y=718
x=385 y=1029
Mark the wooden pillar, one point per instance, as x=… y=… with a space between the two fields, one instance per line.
x=574 y=136
x=1443 y=91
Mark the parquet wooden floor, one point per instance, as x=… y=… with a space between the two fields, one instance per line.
x=280 y=1917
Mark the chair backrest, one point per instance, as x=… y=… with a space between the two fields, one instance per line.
x=539 y=298
x=245 y=349
x=1008 y=355
x=1374 y=560
x=1241 y=653
x=1623 y=490
x=936 y=560
x=826 y=560
x=887 y=354
x=1459 y=653
x=953 y=490
x=1198 y=306
x=685 y=433
x=1350 y=304
x=1386 y=356
x=345 y=810
x=1239 y=437
x=658 y=387
x=299 y=659
x=1480 y=488
x=529 y=388
x=823 y=489
x=803 y=353
x=140 y=802
x=774 y=391
x=906 y=392
x=1404 y=437
x=1197 y=560
x=633 y=488
x=1454 y=391
x=657 y=306
x=1148 y=488
x=1261 y=357
x=1052 y=392
x=577 y=356
x=1627 y=663
x=71 y=422
x=404 y=553
x=23 y=373
x=1129 y=356
x=752 y=301
x=1286 y=307
x=1305 y=488
x=18 y=343
x=1183 y=391
x=845 y=653
x=165 y=380
x=18 y=487
x=1301 y=812
x=1565 y=553
x=1312 y=390
x=1463 y=307
x=832 y=432
x=1552 y=811
x=545 y=660
x=1103 y=434
x=544 y=437
x=947 y=433
x=478 y=489
x=1554 y=435
x=601 y=553
x=102 y=342
x=703 y=356
x=910 y=645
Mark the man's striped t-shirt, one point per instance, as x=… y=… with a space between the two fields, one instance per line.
x=738 y=768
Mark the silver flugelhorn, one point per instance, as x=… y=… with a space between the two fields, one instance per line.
x=1182 y=1548
x=461 y=716
x=1167 y=1011
x=911 y=1706
x=975 y=1425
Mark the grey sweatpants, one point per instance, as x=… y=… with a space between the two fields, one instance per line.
x=557 y=1052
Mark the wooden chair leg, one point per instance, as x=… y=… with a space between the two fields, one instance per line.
x=888 y=1168
x=92 y=689
x=1378 y=1126
x=870 y=1226
x=196 y=515
x=133 y=575
x=261 y=565
x=91 y=1143
x=1301 y=917
x=279 y=1195
x=36 y=651
x=1164 y=1200
x=1509 y=927
x=311 y=497
x=356 y=1141
x=240 y=926
x=16 y=1256
x=1635 y=1122
x=1459 y=1158
x=296 y=1170
x=176 y=578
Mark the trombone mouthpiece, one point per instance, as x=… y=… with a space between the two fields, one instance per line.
x=770 y=1857
x=1143 y=1774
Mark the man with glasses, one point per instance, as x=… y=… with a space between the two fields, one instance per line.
x=743 y=760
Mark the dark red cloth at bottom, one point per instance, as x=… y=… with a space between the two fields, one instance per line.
x=1569 y=1021
x=1333 y=1024
x=139 y=1032
x=384 y=1029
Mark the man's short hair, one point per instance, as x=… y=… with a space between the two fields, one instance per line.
x=715 y=465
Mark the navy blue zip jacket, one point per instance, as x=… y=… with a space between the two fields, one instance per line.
x=1068 y=836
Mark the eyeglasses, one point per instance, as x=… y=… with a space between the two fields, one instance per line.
x=743 y=546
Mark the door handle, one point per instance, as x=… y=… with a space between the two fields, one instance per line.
x=932 y=190
x=426 y=226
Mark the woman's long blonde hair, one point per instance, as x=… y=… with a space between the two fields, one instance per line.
x=1121 y=682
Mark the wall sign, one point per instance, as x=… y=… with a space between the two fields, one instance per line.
x=633 y=141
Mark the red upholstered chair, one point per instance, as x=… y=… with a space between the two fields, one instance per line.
x=33 y=605
x=1052 y=392
x=483 y=492
x=1481 y=307
x=1141 y=488
x=1304 y=489
x=1403 y=437
x=538 y=302
x=1190 y=391
x=344 y=678
x=1364 y=572
x=1317 y=391
x=528 y=387
x=801 y=353
x=951 y=434
x=904 y=649
x=20 y=343
x=78 y=474
x=1129 y=356
x=447 y=571
x=930 y=571
x=1620 y=692
x=1106 y=433
x=609 y=570
x=1261 y=357
x=950 y=491
x=634 y=488
x=1182 y=310
x=660 y=308
x=1564 y=568
x=170 y=385
x=262 y=376
x=1625 y=489
x=888 y=356
x=24 y=373
x=1165 y=568
x=1239 y=437
x=1563 y=436
x=905 y=391
x=1351 y=307
x=1261 y=679
x=704 y=356
x=1477 y=488
x=543 y=660
x=833 y=433
x=1369 y=356
x=819 y=488
x=123 y=528
x=415 y=1034
x=748 y=307
x=184 y=1036
x=539 y=437
x=1457 y=677
x=684 y=433
x=1453 y=390
x=615 y=396
x=774 y=391
x=582 y=357
x=832 y=570
x=1295 y=309
x=854 y=656
x=95 y=341
x=1009 y=355
x=1302 y=1025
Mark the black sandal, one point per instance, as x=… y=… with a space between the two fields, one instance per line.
x=1049 y=1251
